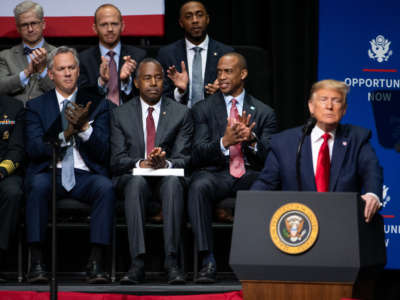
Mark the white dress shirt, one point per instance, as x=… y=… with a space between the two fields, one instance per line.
x=156 y=116
x=190 y=56
x=316 y=143
x=79 y=163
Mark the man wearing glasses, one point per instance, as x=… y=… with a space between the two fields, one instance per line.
x=23 y=72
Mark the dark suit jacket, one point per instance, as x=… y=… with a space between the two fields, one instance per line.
x=354 y=165
x=11 y=135
x=210 y=120
x=43 y=118
x=12 y=62
x=174 y=135
x=90 y=60
x=174 y=53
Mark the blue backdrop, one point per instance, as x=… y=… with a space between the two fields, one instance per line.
x=359 y=43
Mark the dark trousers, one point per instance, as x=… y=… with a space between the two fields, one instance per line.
x=90 y=188
x=206 y=188
x=11 y=192
x=137 y=192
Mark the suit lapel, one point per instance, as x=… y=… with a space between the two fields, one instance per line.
x=212 y=61
x=20 y=58
x=162 y=122
x=136 y=115
x=121 y=57
x=340 y=147
x=306 y=164
x=249 y=108
x=220 y=112
x=181 y=55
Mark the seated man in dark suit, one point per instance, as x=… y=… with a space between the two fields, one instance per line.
x=155 y=132
x=23 y=72
x=230 y=144
x=12 y=157
x=111 y=64
x=78 y=120
x=334 y=157
x=191 y=63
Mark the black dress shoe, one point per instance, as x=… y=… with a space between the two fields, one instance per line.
x=207 y=274
x=135 y=275
x=95 y=273
x=175 y=275
x=37 y=273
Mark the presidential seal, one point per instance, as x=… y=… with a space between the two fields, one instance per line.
x=293 y=228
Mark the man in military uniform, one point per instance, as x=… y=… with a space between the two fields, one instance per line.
x=12 y=156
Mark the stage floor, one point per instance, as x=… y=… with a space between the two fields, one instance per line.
x=155 y=285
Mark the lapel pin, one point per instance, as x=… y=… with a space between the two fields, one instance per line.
x=5 y=117
x=344 y=143
x=164 y=113
x=215 y=53
x=252 y=108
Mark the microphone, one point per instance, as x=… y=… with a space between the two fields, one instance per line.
x=309 y=125
x=306 y=131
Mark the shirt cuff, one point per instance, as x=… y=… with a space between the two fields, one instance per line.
x=103 y=88
x=253 y=148
x=44 y=73
x=127 y=87
x=223 y=149
x=24 y=80
x=374 y=195
x=63 y=141
x=85 y=135
x=178 y=96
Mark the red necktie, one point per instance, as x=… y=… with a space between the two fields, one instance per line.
x=323 y=166
x=236 y=162
x=150 y=130
x=112 y=85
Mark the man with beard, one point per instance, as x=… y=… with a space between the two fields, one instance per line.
x=191 y=63
x=154 y=132
x=111 y=64
x=23 y=72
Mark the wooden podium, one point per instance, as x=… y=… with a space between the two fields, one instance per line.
x=329 y=266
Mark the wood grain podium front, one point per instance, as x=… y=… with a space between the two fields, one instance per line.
x=271 y=267
x=276 y=290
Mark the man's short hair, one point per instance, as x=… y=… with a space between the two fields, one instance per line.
x=26 y=6
x=104 y=6
x=60 y=50
x=145 y=61
x=241 y=59
x=188 y=1
x=332 y=84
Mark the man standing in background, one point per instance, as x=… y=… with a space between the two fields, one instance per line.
x=111 y=64
x=191 y=63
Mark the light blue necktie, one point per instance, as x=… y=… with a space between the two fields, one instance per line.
x=67 y=169
x=197 y=78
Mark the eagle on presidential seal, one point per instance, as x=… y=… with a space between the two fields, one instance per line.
x=380 y=49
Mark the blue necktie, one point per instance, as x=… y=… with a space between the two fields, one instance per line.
x=27 y=50
x=67 y=168
x=197 y=77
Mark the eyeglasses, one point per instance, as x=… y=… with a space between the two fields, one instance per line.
x=34 y=25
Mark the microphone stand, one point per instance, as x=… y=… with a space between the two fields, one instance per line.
x=53 y=280
x=306 y=131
